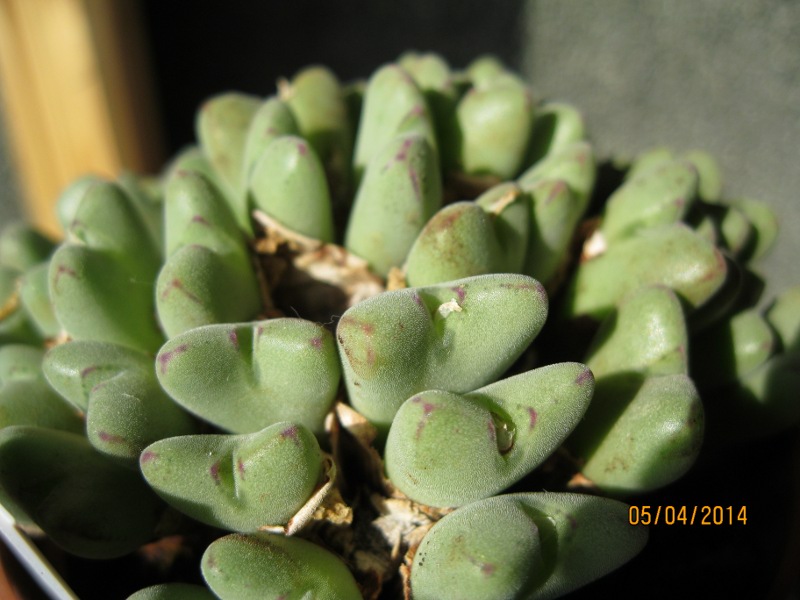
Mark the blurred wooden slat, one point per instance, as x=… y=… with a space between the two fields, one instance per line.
x=77 y=94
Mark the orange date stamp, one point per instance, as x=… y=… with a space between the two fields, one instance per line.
x=707 y=515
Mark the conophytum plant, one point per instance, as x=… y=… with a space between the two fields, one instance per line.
x=330 y=349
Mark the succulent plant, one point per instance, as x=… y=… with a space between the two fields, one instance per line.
x=333 y=348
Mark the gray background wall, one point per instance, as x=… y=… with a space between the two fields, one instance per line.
x=721 y=75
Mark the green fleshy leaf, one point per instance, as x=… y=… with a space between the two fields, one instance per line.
x=288 y=183
x=645 y=334
x=765 y=226
x=731 y=349
x=660 y=196
x=509 y=207
x=640 y=433
x=95 y=299
x=555 y=126
x=254 y=567
x=555 y=211
x=236 y=482
x=126 y=409
x=401 y=190
x=146 y=199
x=318 y=102
x=244 y=377
x=458 y=241
x=494 y=122
x=390 y=97
x=273 y=119
x=432 y=75
x=531 y=546
x=574 y=163
x=710 y=184
x=15 y=327
x=85 y=503
x=75 y=368
x=222 y=125
x=22 y=246
x=465 y=239
x=101 y=280
x=673 y=256
x=483 y=69
x=71 y=197
x=20 y=362
x=761 y=404
x=32 y=402
x=649 y=159
x=448 y=449
x=208 y=277
x=173 y=591
x=735 y=230
x=455 y=336
x=784 y=316
x=34 y=295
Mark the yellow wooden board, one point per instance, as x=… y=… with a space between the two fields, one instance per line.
x=77 y=96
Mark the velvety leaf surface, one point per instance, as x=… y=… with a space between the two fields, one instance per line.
x=243 y=377
x=116 y=387
x=236 y=482
x=400 y=191
x=528 y=546
x=455 y=336
x=447 y=449
x=254 y=567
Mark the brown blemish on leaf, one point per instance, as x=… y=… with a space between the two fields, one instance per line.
x=402 y=154
x=165 y=357
x=414 y=177
x=240 y=468
x=178 y=285
x=585 y=376
x=533 y=416
x=63 y=270
x=201 y=219
x=534 y=287
x=110 y=438
x=348 y=321
x=291 y=433
x=573 y=523
x=487 y=569
x=214 y=472
x=460 y=291
x=720 y=267
x=87 y=371
x=559 y=187
x=234 y=338
x=427 y=410
x=76 y=224
x=357 y=359
x=302 y=149
x=317 y=342
x=98 y=386
x=147 y=457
